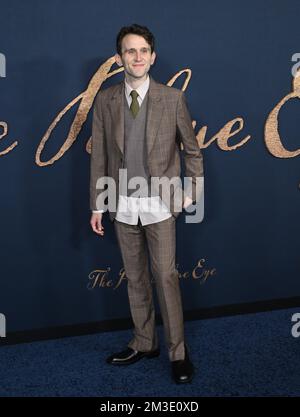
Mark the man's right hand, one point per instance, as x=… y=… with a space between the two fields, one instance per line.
x=96 y=223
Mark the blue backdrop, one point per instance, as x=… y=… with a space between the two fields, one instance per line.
x=240 y=57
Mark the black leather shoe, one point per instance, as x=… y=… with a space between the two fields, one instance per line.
x=129 y=356
x=183 y=370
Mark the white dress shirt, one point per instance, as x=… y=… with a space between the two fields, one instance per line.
x=148 y=209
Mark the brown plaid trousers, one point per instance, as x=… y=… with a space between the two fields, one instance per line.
x=160 y=239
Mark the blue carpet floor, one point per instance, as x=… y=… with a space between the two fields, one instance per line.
x=246 y=355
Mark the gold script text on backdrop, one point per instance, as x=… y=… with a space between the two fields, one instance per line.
x=99 y=278
x=272 y=138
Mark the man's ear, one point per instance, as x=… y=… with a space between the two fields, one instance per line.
x=118 y=60
x=153 y=56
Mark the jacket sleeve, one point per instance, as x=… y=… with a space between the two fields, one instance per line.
x=98 y=165
x=193 y=158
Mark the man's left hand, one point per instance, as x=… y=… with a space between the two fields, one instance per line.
x=187 y=202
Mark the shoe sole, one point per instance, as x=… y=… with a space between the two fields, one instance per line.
x=148 y=356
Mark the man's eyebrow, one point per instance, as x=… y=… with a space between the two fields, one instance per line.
x=143 y=47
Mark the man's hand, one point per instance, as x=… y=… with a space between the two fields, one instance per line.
x=187 y=202
x=96 y=223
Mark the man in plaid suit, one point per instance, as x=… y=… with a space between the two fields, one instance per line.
x=138 y=126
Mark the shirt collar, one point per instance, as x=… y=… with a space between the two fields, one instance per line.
x=142 y=89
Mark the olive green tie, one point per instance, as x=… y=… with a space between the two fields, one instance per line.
x=134 y=107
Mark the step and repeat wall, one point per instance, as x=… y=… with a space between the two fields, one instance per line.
x=237 y=63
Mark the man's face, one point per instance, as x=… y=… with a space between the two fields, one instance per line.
x=136 y=56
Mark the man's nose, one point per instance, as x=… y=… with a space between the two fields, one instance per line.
x=138 y=56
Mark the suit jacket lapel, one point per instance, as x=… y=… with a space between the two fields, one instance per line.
x=117 y=113
x=154 y=114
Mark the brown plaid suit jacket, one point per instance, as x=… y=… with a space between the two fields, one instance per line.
x=168 y=124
